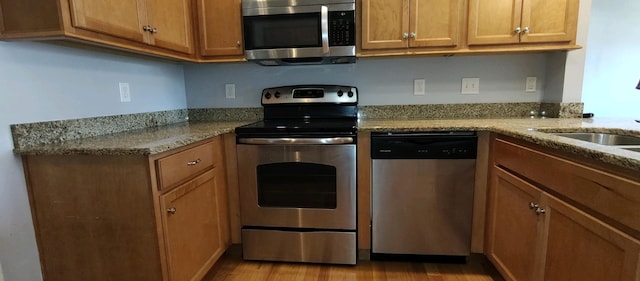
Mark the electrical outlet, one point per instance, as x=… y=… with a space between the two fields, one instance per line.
x=230 y=91
x=125 y=92
x=531 y=84
x=419 y=86
x=470 y=86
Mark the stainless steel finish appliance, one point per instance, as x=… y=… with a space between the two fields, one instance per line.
x=422 y=191
x=286 y=32
x=298 y=176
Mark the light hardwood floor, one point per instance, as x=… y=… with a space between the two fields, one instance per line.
x=231 y=267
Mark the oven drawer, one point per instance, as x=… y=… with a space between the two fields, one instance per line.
x=294 y=246
x=183 y=165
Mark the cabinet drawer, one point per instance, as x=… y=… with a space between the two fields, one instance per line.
x=184 y=165
x=603 y=194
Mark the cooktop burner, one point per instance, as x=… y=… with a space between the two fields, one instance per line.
x=292 y=126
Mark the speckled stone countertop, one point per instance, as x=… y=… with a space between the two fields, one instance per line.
x=534 y=130
x=163 y=138
x=146 y=141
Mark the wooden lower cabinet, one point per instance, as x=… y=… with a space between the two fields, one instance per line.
x=108 y=217
x=534 y=235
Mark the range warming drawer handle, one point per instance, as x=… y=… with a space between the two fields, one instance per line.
x=294 y=141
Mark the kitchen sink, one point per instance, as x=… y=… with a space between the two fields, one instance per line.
x=636 y=149
x=602 y=138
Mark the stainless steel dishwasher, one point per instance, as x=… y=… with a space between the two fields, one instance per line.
x=422 y=193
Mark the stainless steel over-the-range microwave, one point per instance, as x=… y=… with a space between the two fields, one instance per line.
x=282 y=32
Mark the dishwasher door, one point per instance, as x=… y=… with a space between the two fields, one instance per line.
x=422 y=206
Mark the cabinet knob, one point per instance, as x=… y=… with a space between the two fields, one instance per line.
x=146 y=28
x=518 y=30
x=540 y=211
x=193 y=163
x=154 y=30
x=238 y=43
x=413 y=35
x=533 y=205
x=526 y=30
x=405 y=35
x=171 y=211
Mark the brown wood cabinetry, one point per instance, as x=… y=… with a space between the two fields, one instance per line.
x=111 y=217
x=522 y=21
x=536 y=229
x=220 y=29
x=150 y=26
x=393 y=24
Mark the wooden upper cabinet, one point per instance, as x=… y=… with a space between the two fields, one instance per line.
x=394 y=24
x=220 y=27
x=385 y=24
x=550 y=20
x=99 y=16
x=522 y=21
x=434 y=23
x=171 y=24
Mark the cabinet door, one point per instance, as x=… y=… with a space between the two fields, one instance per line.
x=191 y=228
x=172 y=23
x=385 y=24
x=120 y=18
x=220 y=27
x=434 y=23
x=581 y=247
x=513 y=227
x=549 y=20
x=494 y=21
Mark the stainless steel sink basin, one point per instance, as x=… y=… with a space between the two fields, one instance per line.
x=636 y=149
x=602 y=138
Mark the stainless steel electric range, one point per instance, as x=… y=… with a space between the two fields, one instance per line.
x=297 y=172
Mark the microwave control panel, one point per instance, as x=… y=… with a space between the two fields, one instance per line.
x=342 y=28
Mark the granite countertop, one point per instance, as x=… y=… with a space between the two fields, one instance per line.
x=146 y=141
x=163 y=138
x=536 y=131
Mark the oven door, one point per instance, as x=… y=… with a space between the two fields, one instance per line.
x=298 y=186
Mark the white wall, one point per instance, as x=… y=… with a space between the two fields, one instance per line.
x=42 y=82
x=612 y=67
x=379 y=81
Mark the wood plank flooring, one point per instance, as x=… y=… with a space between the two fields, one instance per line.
x=231 y=267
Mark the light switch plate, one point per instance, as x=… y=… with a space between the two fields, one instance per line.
x=470 y=86
x=230 y=91
x=419 y=86
x=531 y=84
x=125 y=92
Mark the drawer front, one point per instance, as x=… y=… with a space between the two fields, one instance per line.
x=614 y=197
x=183 y=165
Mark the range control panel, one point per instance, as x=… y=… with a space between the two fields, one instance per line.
x=308 y=94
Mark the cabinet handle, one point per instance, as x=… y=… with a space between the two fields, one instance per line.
x=413 y=35
x=533 y=205
x=405 y=35
x=193 y=163
x=518 y=30
x=540 y=211
x=526 y=30
x=171 y=211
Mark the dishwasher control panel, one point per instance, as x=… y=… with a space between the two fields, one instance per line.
x=424 y=145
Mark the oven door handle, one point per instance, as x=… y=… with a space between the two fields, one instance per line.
x=297 y=141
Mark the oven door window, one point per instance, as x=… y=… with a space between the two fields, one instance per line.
x=297 y=185
x=282 y=31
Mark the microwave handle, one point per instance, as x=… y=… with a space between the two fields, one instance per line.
x=324 y=26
